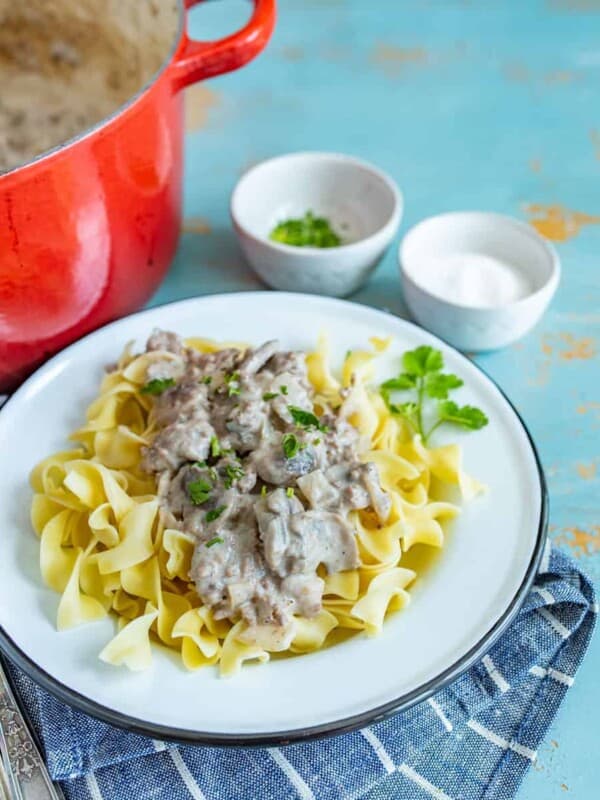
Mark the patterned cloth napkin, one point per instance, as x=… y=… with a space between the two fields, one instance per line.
x=474 y=739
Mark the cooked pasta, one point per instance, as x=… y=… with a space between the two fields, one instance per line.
x=107 y=547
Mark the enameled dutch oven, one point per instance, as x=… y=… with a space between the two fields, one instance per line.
x=88 y=230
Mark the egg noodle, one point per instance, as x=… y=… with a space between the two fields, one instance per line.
x=104 y=548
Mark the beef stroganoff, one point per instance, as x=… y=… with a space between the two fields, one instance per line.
x=230 y=502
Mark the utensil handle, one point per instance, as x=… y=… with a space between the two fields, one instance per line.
x=25 y=769
x=196 y=61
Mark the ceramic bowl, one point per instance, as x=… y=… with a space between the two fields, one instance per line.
x=363 y=205
x=468 y=327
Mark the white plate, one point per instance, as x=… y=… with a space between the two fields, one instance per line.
x=459 y=607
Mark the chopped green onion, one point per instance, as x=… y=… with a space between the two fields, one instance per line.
x=290 y=444
x=308 y=231
x=289 y=491
x=199 y=491
x=306 y=419
x=215 y=447
x=207 y=379
x=283 y=389
x=157 y=386
x=214 y=513
x=214 y=540
x=316 y=441
x=269 y=395
x=233 y=473
x=263 y=490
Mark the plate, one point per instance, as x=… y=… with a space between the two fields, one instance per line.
x=460 y=605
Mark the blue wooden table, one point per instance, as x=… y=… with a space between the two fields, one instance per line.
x=469 y=104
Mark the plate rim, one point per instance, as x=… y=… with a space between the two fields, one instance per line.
x=353 y=722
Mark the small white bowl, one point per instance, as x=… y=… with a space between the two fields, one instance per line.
x=469 y=327
x=363 y=205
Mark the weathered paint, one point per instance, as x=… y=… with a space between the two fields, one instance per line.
x=198 y=225
x=199 y=100
x=423 y=88
x=558 y=223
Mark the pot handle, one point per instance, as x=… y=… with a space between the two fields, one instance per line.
x=195 y=61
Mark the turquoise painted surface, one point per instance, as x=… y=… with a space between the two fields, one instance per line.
x=481 y=104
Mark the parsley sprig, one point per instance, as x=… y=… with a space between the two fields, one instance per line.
x=423 y=377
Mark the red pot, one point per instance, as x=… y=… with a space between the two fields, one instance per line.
x=88 y=230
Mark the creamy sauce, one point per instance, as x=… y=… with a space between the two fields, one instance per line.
x=264 y=491
x=65 y=65
x=473 y=279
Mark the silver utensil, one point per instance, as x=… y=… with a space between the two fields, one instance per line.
x=24 y=770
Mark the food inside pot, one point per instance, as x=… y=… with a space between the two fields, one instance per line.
x=67 y=64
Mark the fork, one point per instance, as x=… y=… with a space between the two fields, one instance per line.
x=23 y=768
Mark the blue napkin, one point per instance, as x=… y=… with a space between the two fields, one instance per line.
x=474 y=739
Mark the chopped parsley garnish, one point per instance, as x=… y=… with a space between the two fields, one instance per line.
x=214 y=513
x=214 y=540
x=283 y=389
x=215 y=447
x=289 y=491
x=270 y=395
x=316 y=441
x=291 y=445
x=157 y=385
x=232 y=473
x=232 y=379
x=199 y=491
x=308 y=231
x=424 y=377
x=207 y=379
x=306 y=419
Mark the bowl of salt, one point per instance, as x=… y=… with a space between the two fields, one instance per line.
x=478 y=280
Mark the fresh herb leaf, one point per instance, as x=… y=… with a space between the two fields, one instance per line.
x=283 y=389
x=214 y=513
x=438 y=384
x=289 y=491
x=401 y=383
x=214 y=540
x=270 y=395
x=422 y=361
x=306 y=419
x=407 y=409
x=157 y=386
x=215 y=447
x=466 y=416
x=232 y=473
x=199 y=491
x=200 y=464
x=316 y=441
x=207 y=379
x=423 y=376
x=291 y=445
